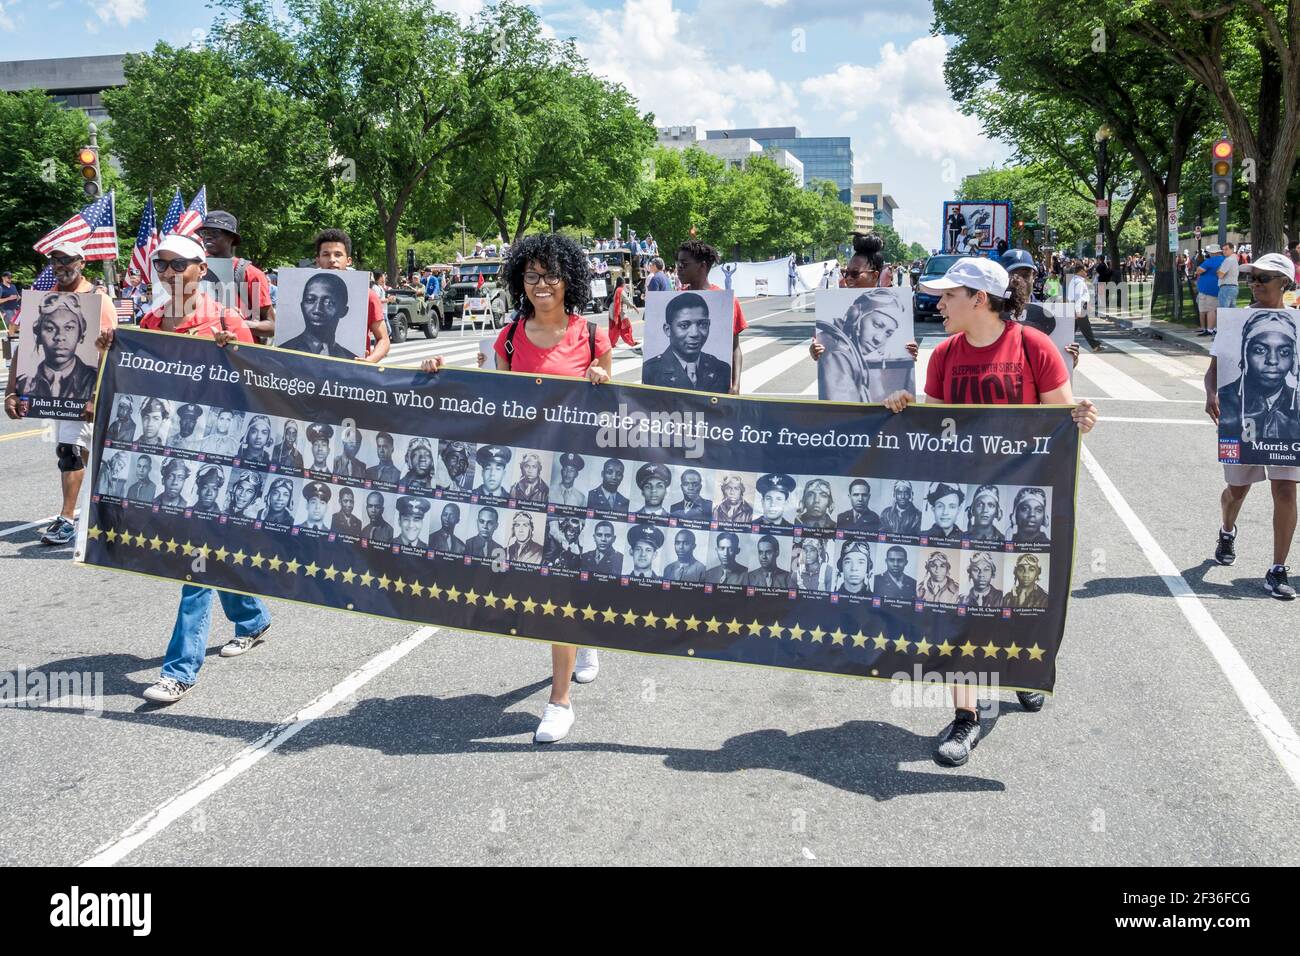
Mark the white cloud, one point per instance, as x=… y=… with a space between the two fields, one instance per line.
x=6 y=21
x=642 y=46
x=121 y=11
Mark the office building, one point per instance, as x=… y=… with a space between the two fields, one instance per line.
x=823 y=157
x=75 y=82
x=873 y=196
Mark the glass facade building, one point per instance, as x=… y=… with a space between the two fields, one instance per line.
x=823 y=157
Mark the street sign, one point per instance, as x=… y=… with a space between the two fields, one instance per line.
x=1103 y=208
x=1172 y=200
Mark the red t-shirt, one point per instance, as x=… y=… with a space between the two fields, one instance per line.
x=206 y=320
x=254 y=293
x=961 y=374
x=571 y=356
x=738 y=323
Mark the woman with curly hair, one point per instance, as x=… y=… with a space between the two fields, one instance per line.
x=549 y=275
x=694 y=260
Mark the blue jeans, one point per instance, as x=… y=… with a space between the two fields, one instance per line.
x=1227 y=296
x=190 y=634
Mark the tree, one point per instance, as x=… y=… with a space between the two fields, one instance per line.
x=40 y=185
x=402 y=89
x=581 y=154
x=262 y=155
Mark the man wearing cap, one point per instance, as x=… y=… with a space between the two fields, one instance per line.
x=945 y=502
x=10 y=297
x=180 y=263
x=728 y=570
x=981 y=570
x=384 y=470
x=347 y=463
x=1026 y=592
x=286 y=453
x=1207 y=289
x=410 y=519
x=317 y=495
x=859 y=517
x=143 y=488
x=692 y=506
x=419 y=465
x=902 y=517
x=186 y=437
x=319 y=436
x=894 y=582
x=854 y=566
x=653 y=480
x=252 y=289
x=530 y=486
x=174 y=473
x=769 y=573
x=378 y=530
x=484 y=544
x=324 y=304
x=444 y=539
x=344 y=521
x=1270 y=336
x=223 y=440
x=644 y=541
x=563 y=492
x=603 y=559
x=458 y=471
x=154 y=414
x=606 y=497
x=72 y=438
x=122 y=428
x=774 y=492
x=492 y=461
x=59 y=327
x=206 y=488
x=685 y=364
x=334 y=251
x=687 y=567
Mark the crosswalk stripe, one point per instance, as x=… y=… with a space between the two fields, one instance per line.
x=753 y=379
x=1114 y=383
x=1168 y=364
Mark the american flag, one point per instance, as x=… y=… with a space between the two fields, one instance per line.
x=94 y=228
x=45 y=280
x=145 y=240
x=174 y=213
x=194 y=216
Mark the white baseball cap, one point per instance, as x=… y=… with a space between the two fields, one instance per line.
x=68 y=248
x=1212 y=248
x=1272 y=262
x=182 y=246
x=979 y=275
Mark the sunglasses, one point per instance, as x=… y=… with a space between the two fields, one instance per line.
x=1259 y=277
x=179 y=265
x=854 y=273
x=64 y=260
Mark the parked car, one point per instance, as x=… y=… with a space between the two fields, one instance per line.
x=413 y=310
x=463 y=283
x=924 y=305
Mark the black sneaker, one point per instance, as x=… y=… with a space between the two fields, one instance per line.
x=957 y=740
x=1276 y=584
x=1226 y=552
x=1031 y=701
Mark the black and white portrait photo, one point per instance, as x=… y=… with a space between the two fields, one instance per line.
x=320 y=446
x=985 y=514
x=485 y=541
x=209 y=481
x=316 y=497
x=57 y=361
x=493 y=462
x=938 y=582
x=853 y=569
x=1258 y=375
x=812 y=564
x=345 y=519
x=563 y=548
x=980 y=579
x=242 y=492
x=524 y=539
x=1025 y=576
x=122 y=427
x=155 y=422
x=817 y=504
x=731 y=556
x=113 y=474
x=528 y=476
x=570 y=480
x=858 y=515
x=418 y=474
x=650 y=485
x=688 y=340
x=772 y=556
x=380 y=448
x=375 y=527
x=774 y=502
x=411 y=512
x=1031 y=515
x=141 y=484
x=175 y=473
x=322 y=311
x=607 y=495
x=895 y=579
x=865 y=333
x=601 y=554
x=454 y=469
x=255 y=445
x=943 y=510
x=734 y=491
x=287 y=450
x=687 y=563
x=691 y=495
x=186 y=434
x=348 y=462
x=278 y=502
x=221 y=432
x=644 y=544
x=900 y=515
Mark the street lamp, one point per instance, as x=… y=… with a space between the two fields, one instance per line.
x=1101 y=137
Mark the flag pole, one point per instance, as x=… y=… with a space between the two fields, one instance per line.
x=110 y=265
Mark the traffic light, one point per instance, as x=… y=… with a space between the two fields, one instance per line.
x=1020 y=224
x=88 y=158
x=1221 y=168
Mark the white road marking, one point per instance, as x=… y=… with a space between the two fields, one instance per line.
x=167 y=813
x=753 y=379
x=1264 y=713
x=1167 y=364
x=1113 y=382
x=31 y=524
x=1158 y=421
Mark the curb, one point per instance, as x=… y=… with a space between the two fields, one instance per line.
x=1167 y=331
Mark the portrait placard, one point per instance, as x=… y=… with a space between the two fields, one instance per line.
x=323 y=311
x=687 y=340
x=57 y=361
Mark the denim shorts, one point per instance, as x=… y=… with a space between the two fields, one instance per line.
x=1227 y=296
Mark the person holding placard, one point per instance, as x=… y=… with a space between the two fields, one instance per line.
x=334 y=251
x=252 y=289
x=694 y=260
x=989 y=359
x=549 y=275
x=1274 y=336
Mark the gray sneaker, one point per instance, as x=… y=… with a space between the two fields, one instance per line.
x=61 y=531
x=167 y=690
x=241 y=645
x=957 y=740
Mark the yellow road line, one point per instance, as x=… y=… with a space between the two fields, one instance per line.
x=26 y=434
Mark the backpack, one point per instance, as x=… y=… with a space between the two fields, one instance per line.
x=514 y=327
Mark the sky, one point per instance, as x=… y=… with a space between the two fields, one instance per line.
x=866 y=69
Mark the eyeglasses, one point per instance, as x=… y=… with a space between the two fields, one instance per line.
x=551 y=278
x=64 y=260
x=854 y=273
x=179 y=265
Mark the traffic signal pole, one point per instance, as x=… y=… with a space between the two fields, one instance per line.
x=93 y=186
x=1221 y=181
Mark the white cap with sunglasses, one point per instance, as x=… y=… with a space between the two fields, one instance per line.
x=978 y=275
x=1273 y=262
x=182 y=246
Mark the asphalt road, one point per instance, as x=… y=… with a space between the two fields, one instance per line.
x=347 y=740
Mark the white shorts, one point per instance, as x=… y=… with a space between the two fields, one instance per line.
x=74 y=433
x=1253 y=474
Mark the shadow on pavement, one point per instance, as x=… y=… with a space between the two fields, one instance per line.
x=1151 y=585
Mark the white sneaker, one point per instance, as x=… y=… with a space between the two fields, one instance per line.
x=556 y=724
x=587 y=666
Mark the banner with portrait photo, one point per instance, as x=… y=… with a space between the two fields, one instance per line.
x=323 y=311
x=56 y=360
x=1056 y=321
x=687 y=340
x=820 y=536
x=865 y=333
x=1259 y=375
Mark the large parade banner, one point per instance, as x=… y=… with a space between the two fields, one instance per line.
x=1259 y=415
x=820 y=536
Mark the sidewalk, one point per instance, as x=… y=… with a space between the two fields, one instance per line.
x=1163 y=330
